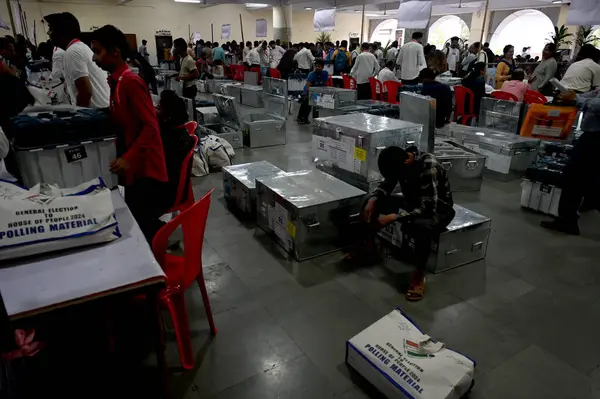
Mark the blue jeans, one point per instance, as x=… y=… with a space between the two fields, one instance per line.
x=264 y=71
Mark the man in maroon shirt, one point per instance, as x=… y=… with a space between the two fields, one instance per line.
x=141 y=163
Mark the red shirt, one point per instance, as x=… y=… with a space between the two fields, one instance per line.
x=131 y=108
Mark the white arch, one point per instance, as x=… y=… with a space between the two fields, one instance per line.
x=523 y=28
x=445 y=28
x=385 y=31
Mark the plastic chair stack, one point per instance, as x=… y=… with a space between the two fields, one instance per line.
x=349 y=82
x=503 y=95
x=183 y=271
x=238 y=72
x=465 y=105
x=376 y=88
x=392 y=88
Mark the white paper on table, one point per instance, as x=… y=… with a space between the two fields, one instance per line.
x=414 y=14
x=356 y=163
x=341 y=154
x=320 y=146
x=326 y=101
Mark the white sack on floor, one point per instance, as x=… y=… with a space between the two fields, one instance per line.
x=216 y=151
x=402 y=362
x=47 y=218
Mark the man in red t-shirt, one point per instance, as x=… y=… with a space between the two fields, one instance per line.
x=141 y=163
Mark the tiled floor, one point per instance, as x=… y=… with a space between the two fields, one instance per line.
x=529 y=314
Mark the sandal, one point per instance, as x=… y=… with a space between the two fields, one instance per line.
x=415 y=291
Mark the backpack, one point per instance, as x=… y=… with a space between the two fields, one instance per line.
x=341 y=60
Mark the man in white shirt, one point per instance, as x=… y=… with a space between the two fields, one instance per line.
x=253 y=58
x=143 y=50
x=474 y=54
x=387 y=73
x=87 y=84
x=304 y=58
x=453 y=55
x=263 y=53
x=584 y=74
x=365 y=66
x=245 y=52
x=377 y=51
x=275 y=52
x=57 y=64
x=411 y=60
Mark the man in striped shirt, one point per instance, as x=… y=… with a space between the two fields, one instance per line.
x=426 y=209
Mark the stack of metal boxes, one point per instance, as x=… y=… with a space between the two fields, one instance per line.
x=239 y=184
x=228 y=126
x=347 y=146
x=268 y=128
x=421 y=109
x=508 y=155
x=464 y=166
x=234 y=90
x=503 y=115
x=215 y=85
x=464 y=241
x=308 y=211
x=330 y=101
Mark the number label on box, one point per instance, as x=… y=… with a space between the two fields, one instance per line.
x=75 y=154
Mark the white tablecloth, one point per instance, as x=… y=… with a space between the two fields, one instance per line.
x=46 y=282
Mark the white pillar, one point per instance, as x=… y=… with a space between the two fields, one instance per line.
x=477 y=25
x=282 y=23
x=573 y=29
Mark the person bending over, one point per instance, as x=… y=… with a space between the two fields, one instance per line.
x=141 y=162
x=317 y=78
x=425 y=211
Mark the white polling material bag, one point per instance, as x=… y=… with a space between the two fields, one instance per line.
x=402 y=362
x=47 y=218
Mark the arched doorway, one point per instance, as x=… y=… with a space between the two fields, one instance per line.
x=446 y=27
x=537 y=26
x=386 y=33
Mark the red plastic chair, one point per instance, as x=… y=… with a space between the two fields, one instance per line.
x=533 y=97
x=182 y=271
x=349 y=82
x=392 y=87
x=180 y=204
x=329 y=82
x=239 y=73
x=504 y=95
x=462 y=95
x=376 y=88
x=257 y=69
x=274 y=73
x=227 y=70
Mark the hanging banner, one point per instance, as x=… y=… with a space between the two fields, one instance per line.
x=324 y=20
x=583 y=12
x=261 y=28
x=225 y=31
x=414 y=14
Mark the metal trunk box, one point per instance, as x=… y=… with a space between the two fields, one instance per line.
x=252 y=96
x=214 y=85
x=189 y=108
x=239 y=184
x=353 y=142
x=234 y=90
x=308 y=211
x=268 y=128
x=503 y=115
x=464 y=241
x=464 y=166
x=420 y=109
x=508 y=155
x=229 y=126
x=207 y=116
x=346 y=110
x=331 y=97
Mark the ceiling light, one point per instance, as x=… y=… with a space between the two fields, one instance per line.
x=256 y=5
x=188 y=1
x=308 y=8
x=373 y=15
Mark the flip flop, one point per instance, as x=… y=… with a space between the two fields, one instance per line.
x=415 y=291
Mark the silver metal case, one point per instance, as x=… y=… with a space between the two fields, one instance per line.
x=239 y=184
x=268 y=128
x=464 y=241
x=463 y=166
x=353 y=142
x=508 y=155
x=331 y=97
x=252 y=96
x=420 y=109
x=307 y=211
x=207 y=116
x=503 y=115
x=229 y=126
